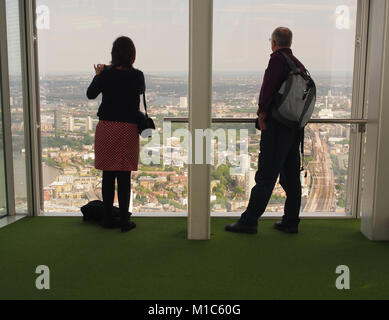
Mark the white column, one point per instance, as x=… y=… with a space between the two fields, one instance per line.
x=375 y=201
x=200 y=99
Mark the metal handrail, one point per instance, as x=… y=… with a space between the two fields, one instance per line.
x=252 y=120
x=361 y=123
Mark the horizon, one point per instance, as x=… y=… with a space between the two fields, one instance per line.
x=339 y=73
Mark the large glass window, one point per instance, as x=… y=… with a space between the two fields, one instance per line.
x=74 y=35
x=16 y=103
x=324 y=40
x=324 y=182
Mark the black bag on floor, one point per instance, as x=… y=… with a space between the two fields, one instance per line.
x=94 y=211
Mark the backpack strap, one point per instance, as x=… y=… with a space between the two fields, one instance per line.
x=291 y=64
x=145 y=104
x=302 y=138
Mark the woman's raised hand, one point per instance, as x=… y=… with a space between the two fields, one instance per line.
x=99 y=68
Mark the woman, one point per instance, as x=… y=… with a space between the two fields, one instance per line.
x=117 y=138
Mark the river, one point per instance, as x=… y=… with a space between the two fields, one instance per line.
x=49 y=175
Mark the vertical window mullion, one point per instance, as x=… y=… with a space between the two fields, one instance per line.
x=357 y=112
x=6 y=112
x=31 y=102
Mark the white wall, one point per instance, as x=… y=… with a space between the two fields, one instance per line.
x=375 y=196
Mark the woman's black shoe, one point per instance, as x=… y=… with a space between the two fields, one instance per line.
x=128 y=226
x=109 y=223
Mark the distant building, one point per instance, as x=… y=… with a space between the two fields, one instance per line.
x=47 y=193
x=89 y=124
x=71 y=124
x=249 y=182
x=305 y=178
x=243 y=167
x=148 y=182
x=184 y=102
x=326 y=113
x=237 y=205
x=58 y=120
x=244 y=163
x=173 y=141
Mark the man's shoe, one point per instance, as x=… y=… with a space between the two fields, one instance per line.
x=238 y=227
x=281 y=227
x=128 y=226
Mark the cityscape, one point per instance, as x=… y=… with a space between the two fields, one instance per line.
x=68 y=121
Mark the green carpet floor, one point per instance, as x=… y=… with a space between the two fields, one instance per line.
x=156 y=261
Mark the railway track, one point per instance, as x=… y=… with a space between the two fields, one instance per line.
x=321 y=196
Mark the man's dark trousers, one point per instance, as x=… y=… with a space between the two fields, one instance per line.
x=279 y=156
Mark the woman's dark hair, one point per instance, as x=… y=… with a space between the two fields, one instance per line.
x=123 y=52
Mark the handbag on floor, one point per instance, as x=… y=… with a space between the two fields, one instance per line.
x=94 y=212
x=145 y=123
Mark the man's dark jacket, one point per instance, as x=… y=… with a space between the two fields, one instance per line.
x=275 y=75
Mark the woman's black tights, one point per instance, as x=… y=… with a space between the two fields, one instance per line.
x=124 y=189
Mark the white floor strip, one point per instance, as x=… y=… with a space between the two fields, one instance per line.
x=10 y=219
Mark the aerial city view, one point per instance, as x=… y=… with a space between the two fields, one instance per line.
x=68 y=121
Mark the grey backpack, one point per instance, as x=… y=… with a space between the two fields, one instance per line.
x=296 y=98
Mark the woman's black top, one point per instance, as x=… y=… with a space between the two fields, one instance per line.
x=121 y=91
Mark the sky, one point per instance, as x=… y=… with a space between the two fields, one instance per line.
x=80 y=33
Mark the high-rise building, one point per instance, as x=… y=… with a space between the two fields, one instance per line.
x=184 y=102
x=244 y=163
x=326 y=114
x=71 y=124
x=88 y=124
x=249 y=182
x=58 y=120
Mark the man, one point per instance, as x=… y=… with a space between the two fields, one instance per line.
x=279 y=147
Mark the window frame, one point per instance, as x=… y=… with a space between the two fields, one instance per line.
x=31 y=85
x=6 y=113
x=358 y=106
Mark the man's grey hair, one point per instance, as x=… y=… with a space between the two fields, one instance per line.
x=282 y=37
